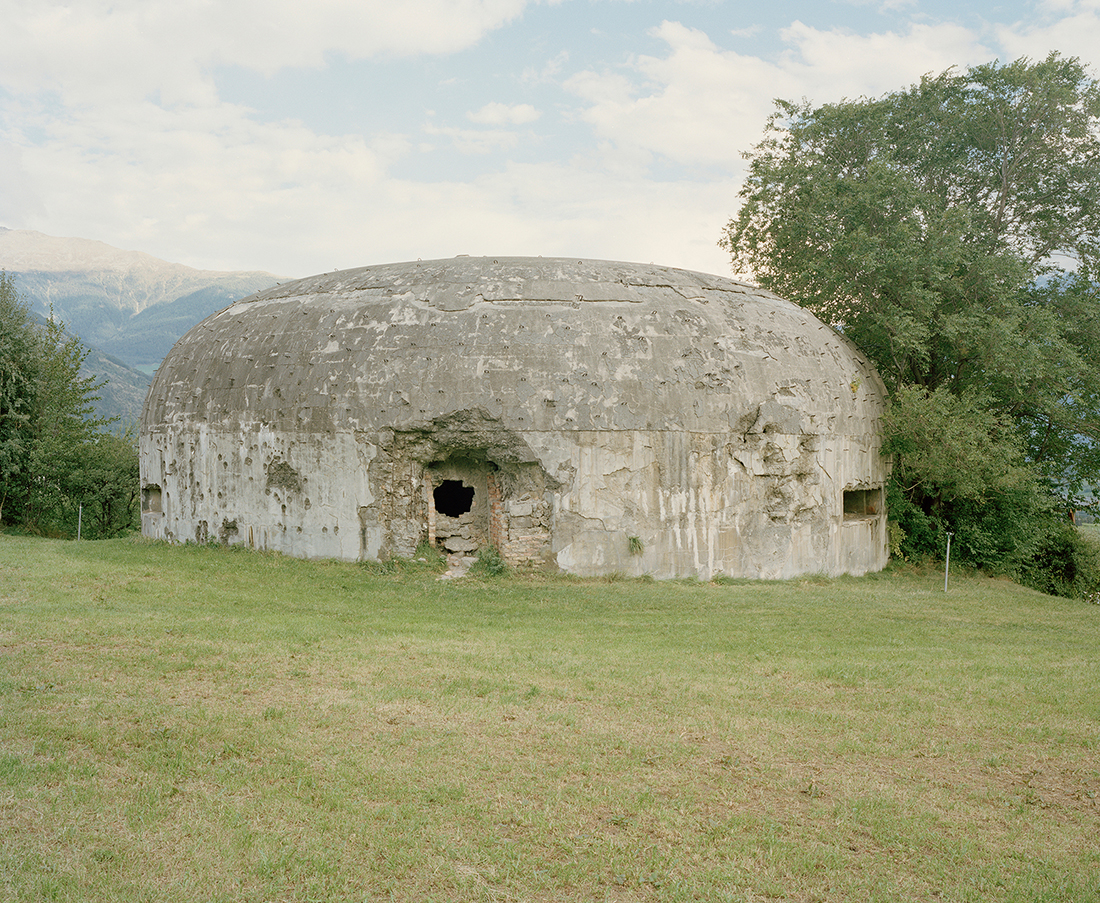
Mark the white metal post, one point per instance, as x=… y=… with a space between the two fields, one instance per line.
x=947 y=563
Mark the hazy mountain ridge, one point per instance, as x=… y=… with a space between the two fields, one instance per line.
x=128 y=308
x=127 y=303
x=124 y=392
x=143 y=279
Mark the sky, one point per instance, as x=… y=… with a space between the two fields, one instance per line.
x=301 y=138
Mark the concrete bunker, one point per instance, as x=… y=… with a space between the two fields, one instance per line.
x=591 y=416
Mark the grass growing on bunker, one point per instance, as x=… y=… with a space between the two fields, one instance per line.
x=201 y=723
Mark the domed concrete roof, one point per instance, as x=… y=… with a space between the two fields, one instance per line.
x=532 y=343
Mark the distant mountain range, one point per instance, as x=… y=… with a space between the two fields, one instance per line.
x=127 y=307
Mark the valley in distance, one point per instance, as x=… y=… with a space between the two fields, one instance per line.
x=127 y=308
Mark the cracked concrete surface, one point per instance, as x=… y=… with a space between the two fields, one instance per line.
x=591 y=402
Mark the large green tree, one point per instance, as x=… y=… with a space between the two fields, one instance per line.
x=18 y=343
x=952 y=231
x=55 y=454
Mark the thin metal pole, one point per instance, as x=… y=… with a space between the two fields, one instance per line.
x=79 y=520
x=947 y=563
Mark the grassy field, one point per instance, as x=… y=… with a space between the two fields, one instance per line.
x=186 y=723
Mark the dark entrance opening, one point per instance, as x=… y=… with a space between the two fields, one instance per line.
x=453 y=498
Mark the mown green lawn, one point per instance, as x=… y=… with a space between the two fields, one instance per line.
x=186 y=723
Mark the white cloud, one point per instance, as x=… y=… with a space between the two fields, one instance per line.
x=1063 y=7
x=549 y=71
x=111 y=128
x=697 y=105
x=203 y=179
x=550 y=209
x=1071 y=27
x=504 y=114
x=476 y=141
x=18 y=196
x=130 y=49
x=841 y=64
x=701 y=105
x=220 y=191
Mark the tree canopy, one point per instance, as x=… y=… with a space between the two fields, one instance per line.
x=952 y=231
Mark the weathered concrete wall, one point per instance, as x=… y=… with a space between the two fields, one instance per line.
x=763 y=505
x=263 y=489
x=698 y=504
x=611 y=417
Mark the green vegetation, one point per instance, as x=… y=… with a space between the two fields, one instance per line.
x=55 y=454
x=950 y=231
x=182 y=723
x=489 y=563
